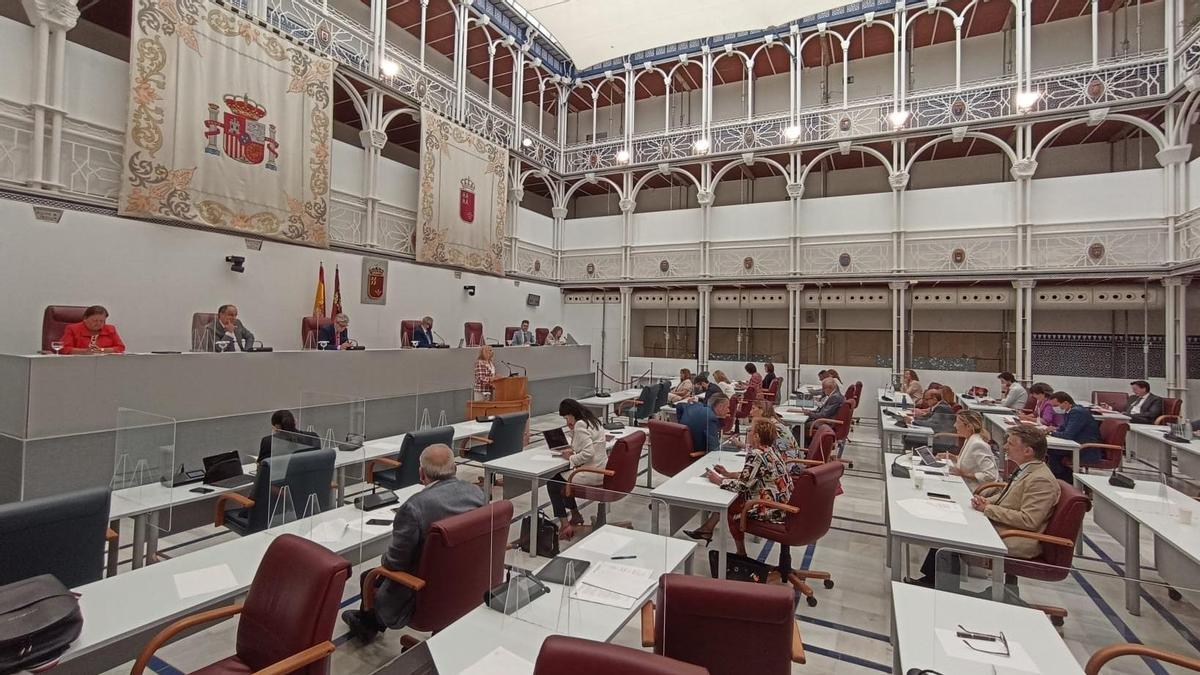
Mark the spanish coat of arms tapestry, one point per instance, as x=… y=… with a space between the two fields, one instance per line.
x=229 y=124
x=464 y=197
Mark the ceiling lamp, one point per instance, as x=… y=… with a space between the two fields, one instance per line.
x=1027 y=99
x=526 y=142
x=792 y=133
x=701 y=145
x=622 y=156
x=389 y=68
x=899 y=118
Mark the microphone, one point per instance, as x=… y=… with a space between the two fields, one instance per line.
x=512 y=372
x=441 y=340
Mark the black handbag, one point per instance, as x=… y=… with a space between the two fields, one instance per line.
x=547 y=536
x=39 y=619
x=739 y=567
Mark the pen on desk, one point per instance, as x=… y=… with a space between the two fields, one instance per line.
x=623 y=557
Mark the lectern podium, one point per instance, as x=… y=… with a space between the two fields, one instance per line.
x=508 y=395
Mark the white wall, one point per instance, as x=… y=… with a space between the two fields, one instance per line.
x=1108 y=196
x=153 y=277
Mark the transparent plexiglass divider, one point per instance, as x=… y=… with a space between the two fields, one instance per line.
x=144 y=467
x=1037 y=617
x=340 y=422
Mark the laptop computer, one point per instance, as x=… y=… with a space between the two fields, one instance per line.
x=555 y=438
x=224 y=469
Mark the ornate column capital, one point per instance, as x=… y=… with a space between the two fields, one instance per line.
x=627 y=205
x=559 y=212
x=1024 y=283
x=1023 y=169
x=704 y=197
x=517 y=194
x=626 y=291
x=795 y=286
x=1174 y=154
x=704 y=288
x=1176 y=281
x=898 y=285
x=373 y=139
x=795 y=190
x=58 y=14
x=898 y=180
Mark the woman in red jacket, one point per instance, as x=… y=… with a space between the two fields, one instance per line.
x=93 y=335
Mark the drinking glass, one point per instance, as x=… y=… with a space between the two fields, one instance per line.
x=222 y=345
x=57 y=346
x=322 y=343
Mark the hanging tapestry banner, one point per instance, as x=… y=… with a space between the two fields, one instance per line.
x=229 y=124
x=464 y=197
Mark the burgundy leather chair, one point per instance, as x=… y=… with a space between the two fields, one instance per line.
x=1111 y=446
x=671 y=448
x=408 y=328
x=840 y=423
x=200 y=322
x=809 y=513
x=540 y=335
x=620 y=474
x=1172 y=408
x=55 y=320
x=820 y=446
x=772 y=392
x=288 y=616
x=1058 y=543
x=309 y=326
x=473 y=334
x=728 y=627
x=1115 y=399
x=509 y=331
x=463 y=556
x=1106 y=654
x=562 y=654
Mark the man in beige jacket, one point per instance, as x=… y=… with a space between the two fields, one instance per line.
x=1025 y=502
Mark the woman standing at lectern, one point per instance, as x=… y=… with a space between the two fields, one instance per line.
x=485 y=372
x=93 y=335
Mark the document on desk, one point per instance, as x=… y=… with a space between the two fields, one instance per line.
x=954 y=647
x=204 y=581
x=700 y=480
x=330 y=531
x=600 y=596
x=499 y=661
x=604 y=543
x=932 y=509
x=624 y=579
x=544 y=457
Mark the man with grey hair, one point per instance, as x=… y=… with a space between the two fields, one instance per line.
x=828 y=409
x=443 y=496
x=226 y=333
x=336 y=335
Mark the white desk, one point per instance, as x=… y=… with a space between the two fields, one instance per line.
x=1000 y=424
x=603 y=403
x=1147 y=439
x=979 y=406
x=898 y=400
x=524 y=472
x=686 y=497
x=889 y=430
x=791 y=418
x=917 y=612
x=469 y=639
x=145 y=504
x=1123 y=512
x=121 y=613
x=975 y=534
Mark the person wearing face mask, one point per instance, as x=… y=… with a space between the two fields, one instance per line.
x=1079 y=425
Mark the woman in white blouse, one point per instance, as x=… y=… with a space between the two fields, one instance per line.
x=723 y=382
x=588 y=450
x=976 y=462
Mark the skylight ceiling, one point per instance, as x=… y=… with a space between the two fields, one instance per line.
x=592 y=31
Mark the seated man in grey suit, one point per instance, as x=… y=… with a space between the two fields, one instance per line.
x=827 y=410
x=443 y=496
x=523 y=336
x=226 y=333
x=1142 y=406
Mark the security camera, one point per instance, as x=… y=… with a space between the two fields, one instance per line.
x=236 y=263
x=470 y=290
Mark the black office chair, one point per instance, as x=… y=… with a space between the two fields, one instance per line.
x=646 y=404
x=664 y=388
x=406 y=470
x=304 y=474
x=506 y=437
x=63 y=535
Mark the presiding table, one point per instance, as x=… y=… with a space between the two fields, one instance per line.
x=59 y=414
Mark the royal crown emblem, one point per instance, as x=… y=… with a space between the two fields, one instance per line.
x=247 y=139
x=466 y=200
x=376 y=281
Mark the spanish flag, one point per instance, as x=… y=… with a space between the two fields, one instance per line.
x=337 y=294
x=319 y=301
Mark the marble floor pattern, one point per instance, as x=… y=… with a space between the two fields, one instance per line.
x=848 y=631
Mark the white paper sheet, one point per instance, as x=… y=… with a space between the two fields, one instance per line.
x=700 y=480
x=204 y=581
x=624 y=579
x=330 y=531
x=586 y=593
x=604 y=543
x=930 y=509
x=499 y=661
x=954 y=647
x=544 y=457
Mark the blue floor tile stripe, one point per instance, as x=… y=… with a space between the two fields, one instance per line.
x=162 y=667
x=847 y=658
x=1166 y=614
x=853 y=630
x=1118 y=623
x=846 y=529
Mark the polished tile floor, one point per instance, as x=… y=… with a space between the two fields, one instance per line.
x=848 y=631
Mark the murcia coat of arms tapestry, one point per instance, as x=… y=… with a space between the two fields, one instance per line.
x=463 y=197
x=229 y=124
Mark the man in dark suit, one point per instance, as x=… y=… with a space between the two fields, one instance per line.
x=1078 y=425
x=336 y=334
x=423 y=333
x=1142 y=406
x=443 y=496
x=226 y=333
x=829 y=405
x=703 y=386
